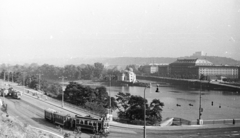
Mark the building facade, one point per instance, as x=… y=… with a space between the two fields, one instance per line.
x=127 y=76
x=193 y=68
x=149 y=69
x=163 y=70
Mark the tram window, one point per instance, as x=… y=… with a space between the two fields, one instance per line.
x=94 y=123
x=90 y=123
x=86 y=122
x=81 y=121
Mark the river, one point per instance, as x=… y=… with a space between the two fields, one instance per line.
x=226 y=105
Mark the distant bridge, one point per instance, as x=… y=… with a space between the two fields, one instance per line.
x=193 y=83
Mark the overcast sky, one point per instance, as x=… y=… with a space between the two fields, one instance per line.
x=118 y=28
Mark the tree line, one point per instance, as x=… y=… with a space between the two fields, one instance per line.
x=130 y=107
x=51 y=72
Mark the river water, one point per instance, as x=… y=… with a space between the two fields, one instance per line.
x=226 y=104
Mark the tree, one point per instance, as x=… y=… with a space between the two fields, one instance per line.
x=135 y=110
x=98 y=70
x=154 y=111
x=131 y=107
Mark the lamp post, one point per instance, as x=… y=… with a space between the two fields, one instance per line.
x=39 y=77
x=23 y=83
x=200 y=101
x=144 y=108
x=110 y=83
x=8 y=76
x=12 y=76
x=62 y=90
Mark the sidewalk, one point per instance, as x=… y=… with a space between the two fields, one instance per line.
x=129 y=126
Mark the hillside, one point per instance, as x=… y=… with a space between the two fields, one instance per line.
x=11 y=127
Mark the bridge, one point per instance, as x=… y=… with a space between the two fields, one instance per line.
x=193 y=83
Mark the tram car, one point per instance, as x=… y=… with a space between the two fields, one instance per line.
x=14 y=94
x=96 y=125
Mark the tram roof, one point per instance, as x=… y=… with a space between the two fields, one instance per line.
x=62 y=114
x=87 y=117
x=50 y=110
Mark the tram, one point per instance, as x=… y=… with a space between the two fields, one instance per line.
x=96 y=125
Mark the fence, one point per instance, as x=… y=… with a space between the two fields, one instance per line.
x=221 y=121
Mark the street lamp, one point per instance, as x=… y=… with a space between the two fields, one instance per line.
x=144 y=106
x=110 y=83
x=200 y=101
x=23 y=83
x=62 y=90
x=39 y=77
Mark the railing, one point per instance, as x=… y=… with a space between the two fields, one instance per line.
x=221 y=121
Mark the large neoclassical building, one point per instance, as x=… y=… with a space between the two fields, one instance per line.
x=193 y=68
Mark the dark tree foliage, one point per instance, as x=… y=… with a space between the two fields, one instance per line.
x=89 y=97
x=132 y=107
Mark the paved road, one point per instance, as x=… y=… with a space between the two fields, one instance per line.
x=33 y=115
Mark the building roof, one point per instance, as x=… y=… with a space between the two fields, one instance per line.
x=200 y=62
x=195 y=62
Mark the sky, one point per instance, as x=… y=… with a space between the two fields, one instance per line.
x=118 y=28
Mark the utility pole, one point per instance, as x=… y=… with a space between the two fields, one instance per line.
x=12 y=76
x=110 y=94
x=63 y=90
x=39 y=76
x=200 y=101
x=8 y=75
x=110 y=84
x=23 y=83
x=4 y=76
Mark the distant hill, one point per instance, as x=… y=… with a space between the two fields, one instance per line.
x=123 y=61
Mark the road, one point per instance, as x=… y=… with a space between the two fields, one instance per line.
x=30 y=110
